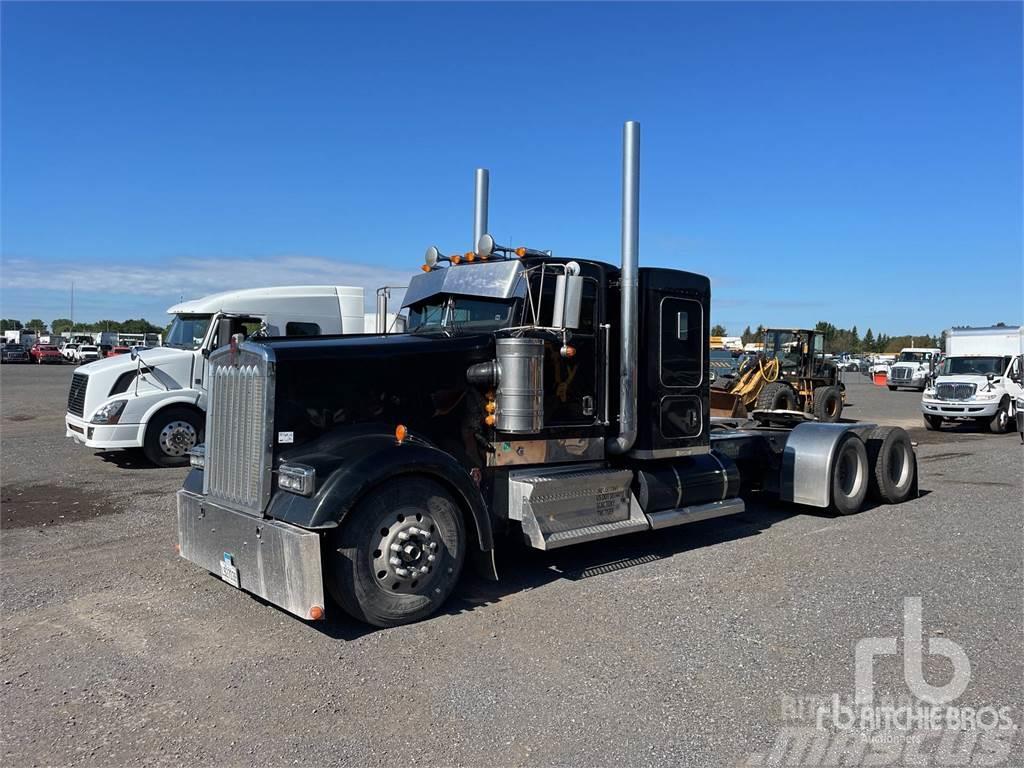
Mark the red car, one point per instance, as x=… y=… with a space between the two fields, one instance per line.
x=119 y=350
x=45 y=353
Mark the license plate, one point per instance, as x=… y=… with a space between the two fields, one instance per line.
x=228 y=571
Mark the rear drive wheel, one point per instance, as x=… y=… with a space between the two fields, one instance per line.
x=891 y=463
x=1000 y=423
x=776 y=396
x=933 y=423
x=828 y=404
x=849 y=475
x=171 y=434
x=398 y=554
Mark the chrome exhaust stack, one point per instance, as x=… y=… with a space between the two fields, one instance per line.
x=628 y=300
x=480 y=204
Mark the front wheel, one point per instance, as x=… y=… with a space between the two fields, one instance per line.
x=933 y=423
x=892 y=388
x=1000 y=423
x=171 y=434
x=398 y=554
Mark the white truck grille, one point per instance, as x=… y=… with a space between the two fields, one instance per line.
x=901 y=373
x=955 y=391
x=239 y=420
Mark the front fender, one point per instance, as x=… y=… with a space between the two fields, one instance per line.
x=362 y=464
x=141 y=408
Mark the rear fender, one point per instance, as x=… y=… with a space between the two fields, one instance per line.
x=807 y=461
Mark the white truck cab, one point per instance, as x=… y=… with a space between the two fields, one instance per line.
x=155 y=398
x=912 y=368
x=980 y=379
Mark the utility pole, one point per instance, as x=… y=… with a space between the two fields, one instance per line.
x=72 y=305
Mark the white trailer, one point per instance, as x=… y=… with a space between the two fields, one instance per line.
x=980 y=378
x=155 y=399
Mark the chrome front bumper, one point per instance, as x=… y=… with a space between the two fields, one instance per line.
x=964 y=409
x=273 y=560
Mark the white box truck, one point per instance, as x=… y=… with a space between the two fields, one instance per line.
x=155 y=399
x=979 y=379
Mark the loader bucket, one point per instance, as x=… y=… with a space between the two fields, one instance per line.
x=727 y=405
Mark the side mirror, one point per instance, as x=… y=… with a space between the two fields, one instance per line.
x=568 y=298
x=223 y=331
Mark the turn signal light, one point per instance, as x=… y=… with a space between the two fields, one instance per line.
x=568 y=351
x=490 y=420
x=316 y=613
x=401 y=433
x=425 y=268
x=520 y=252
x=490 y=407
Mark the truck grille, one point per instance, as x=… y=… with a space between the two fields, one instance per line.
x=239 y=420
x=901 y=373
x=76 y=397
x=955 y=391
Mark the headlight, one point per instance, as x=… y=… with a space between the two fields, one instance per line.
x=197 y=456
x=986 y=396
x=920 y=373
x=297 y=478
x=109 y=413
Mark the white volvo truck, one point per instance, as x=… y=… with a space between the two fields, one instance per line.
x=155 y=399
x=912 y=368
x=979 y=380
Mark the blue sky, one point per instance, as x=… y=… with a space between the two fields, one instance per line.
x=857 y=163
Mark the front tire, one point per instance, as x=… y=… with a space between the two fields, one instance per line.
x=776 y=396
x=171 y=434
x=892 y=388
x=398 y=554
x=1000 y=423
x=933 y=423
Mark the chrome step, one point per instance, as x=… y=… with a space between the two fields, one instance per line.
x=594 y=532
x=561 y=506
x=667 y=518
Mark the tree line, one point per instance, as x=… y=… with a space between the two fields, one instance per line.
x=838 y=340
x=62 y=324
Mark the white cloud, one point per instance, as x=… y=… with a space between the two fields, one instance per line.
x=97 y=283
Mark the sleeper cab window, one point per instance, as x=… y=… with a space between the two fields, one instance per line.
x=301 y=329
x=682 y=360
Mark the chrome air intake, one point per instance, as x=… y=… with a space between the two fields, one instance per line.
x=520 y=394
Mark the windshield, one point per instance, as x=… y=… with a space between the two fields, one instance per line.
x=459 y=313
x=974 y=366
x=187 y=331
x=914 y=357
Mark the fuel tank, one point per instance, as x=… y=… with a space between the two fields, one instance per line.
x=686 y=482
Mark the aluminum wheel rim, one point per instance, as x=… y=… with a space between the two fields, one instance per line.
x=850 y=474
x=899 y=466
x=177 y=437
x=406 y=552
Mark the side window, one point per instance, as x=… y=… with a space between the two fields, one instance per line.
x=301 y=329
x=588 y=306
x=1015 y=369
x=682 y=334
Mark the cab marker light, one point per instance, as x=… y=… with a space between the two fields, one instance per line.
x=401 y=433
x=316 y=612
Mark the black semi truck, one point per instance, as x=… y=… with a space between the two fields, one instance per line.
x=566 y=400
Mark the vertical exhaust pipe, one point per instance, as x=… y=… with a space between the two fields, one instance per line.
x=383 y=294
x=628 y=301
x=483 y=179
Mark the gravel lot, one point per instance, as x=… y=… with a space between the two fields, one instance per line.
x=676 y=648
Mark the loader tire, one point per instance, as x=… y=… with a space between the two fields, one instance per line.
x=776 y=396
x=891 y=464
x=828 y=404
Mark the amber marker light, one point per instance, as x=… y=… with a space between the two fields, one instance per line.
x=316 y=613
x=490 y=407
x=520 y=252
x=456 y=259
x=489 y=421
x=470 y=256
x=425 y=268
x=401 y=433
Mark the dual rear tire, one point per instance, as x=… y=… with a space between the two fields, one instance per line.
x=882 y=467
